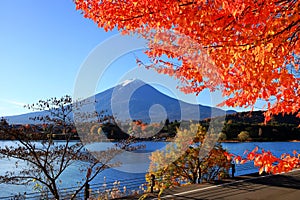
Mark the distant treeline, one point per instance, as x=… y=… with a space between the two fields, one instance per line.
x=55 y=132
x=243 y=126
x=279 y=128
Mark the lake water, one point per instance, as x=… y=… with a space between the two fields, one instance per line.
x=135 y=165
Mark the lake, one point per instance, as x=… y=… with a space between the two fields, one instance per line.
x=135 y=164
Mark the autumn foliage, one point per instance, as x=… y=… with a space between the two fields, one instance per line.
x=249 y=49
x=267 y=162
x=253 y=46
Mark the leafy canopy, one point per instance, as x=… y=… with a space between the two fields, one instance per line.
x=251 y=45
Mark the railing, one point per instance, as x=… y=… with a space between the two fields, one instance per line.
x=245 y=168
x=110 y=189
x=113 y=189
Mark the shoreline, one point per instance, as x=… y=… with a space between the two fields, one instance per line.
x=111 y=140
x=236 y=141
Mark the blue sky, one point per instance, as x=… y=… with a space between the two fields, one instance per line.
x=43 y=45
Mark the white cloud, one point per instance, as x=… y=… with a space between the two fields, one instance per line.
x=12 y=102
x=11 y=107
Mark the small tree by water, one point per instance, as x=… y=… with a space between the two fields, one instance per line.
x=222 y=136
x=243 y=136
x=46 y=160
x=192 y=166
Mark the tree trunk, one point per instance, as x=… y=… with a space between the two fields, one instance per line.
x=199 y=175
x=54 y=190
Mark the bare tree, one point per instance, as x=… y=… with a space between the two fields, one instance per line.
x=46 y=160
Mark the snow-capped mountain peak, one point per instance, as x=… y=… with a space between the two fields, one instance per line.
x=126 y=82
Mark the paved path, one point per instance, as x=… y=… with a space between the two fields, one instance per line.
x=251 y=187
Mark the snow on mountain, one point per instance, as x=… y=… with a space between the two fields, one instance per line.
x=126 y=82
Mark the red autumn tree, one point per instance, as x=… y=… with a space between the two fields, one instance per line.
x=254 y=45
x=249 y=49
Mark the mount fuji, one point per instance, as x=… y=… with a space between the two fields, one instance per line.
x=137 y=100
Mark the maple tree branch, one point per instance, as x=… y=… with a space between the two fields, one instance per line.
x=270 y=37
x=287 y=28
x=295 y=37
x=150 y=13
x=186 y=4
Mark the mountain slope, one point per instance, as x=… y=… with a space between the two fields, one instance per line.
x=136 y=100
